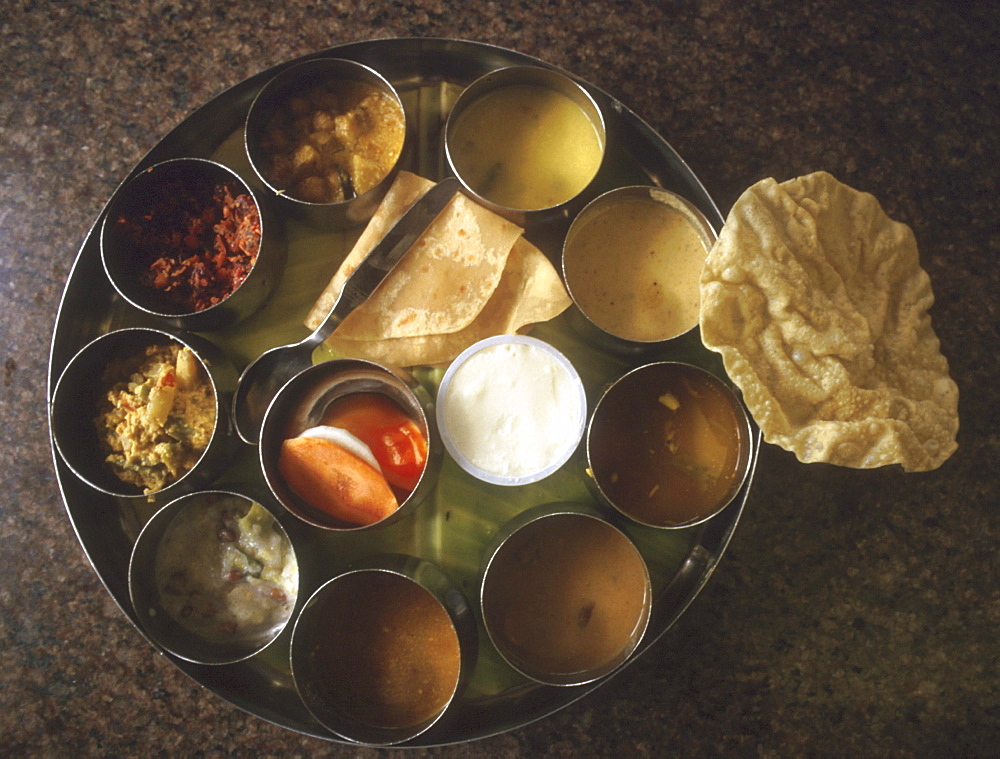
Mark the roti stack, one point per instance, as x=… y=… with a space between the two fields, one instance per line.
x=471 y=275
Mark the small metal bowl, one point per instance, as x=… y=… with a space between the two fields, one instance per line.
x=301 y=404
x=206 y=590
x=511 y=410
x=566 y=596
x=668 y=445
x=392 y=622
x=469 y=138
x=631 y=264
x=80 y=388
x=165 y=200
x=273 y=101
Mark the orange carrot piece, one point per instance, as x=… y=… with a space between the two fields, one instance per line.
x=336 y=481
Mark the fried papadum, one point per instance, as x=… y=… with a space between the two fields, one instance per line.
x=817 y=302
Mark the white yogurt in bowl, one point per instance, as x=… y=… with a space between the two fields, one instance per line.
x=511 y=410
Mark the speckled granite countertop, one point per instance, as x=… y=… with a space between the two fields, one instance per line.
x=855 y=612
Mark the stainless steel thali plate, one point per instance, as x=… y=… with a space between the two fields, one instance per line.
x=457 y=522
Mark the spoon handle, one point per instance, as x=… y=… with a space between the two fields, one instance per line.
x=385 y=255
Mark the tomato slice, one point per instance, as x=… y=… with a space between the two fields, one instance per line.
x=394 y=438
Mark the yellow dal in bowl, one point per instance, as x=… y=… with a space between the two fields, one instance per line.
x=526 y=147
x=633 y=268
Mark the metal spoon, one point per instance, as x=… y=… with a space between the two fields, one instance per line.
x=264 y=376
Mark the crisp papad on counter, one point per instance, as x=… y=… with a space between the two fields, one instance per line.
x=817 y=302
x=471 y=275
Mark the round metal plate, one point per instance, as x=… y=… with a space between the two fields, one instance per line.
x=457 y=522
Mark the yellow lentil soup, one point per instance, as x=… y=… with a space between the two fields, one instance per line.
x=526 y=147
x=633 y=267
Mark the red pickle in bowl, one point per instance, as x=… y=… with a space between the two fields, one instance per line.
x=201 y=241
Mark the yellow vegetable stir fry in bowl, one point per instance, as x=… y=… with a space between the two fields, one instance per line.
x=157 y=416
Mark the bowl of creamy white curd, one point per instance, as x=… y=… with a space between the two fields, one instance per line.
x=511 y=410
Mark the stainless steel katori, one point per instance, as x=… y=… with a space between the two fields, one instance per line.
x=214 y=577
x=622 y=269
x=82 y=383
x=274 y=98
x=392 y=618
x=512 y=142
x=702 y=468
x=300 y=406
x=158 y=193
x=565 y=594
x=455 y=522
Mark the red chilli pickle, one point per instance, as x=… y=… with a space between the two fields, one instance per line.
x=201 y=242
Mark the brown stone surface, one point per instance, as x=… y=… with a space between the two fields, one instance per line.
x=855 y=612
